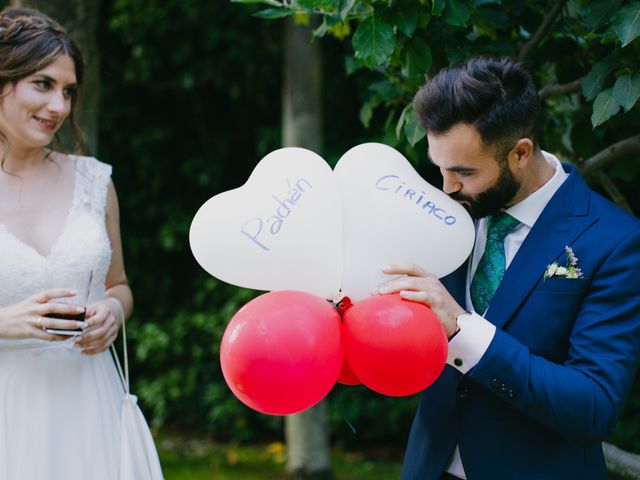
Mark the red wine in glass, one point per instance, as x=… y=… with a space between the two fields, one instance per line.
x=78 y=317
x=83 y=295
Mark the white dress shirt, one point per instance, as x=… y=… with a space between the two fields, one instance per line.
x=476 y=333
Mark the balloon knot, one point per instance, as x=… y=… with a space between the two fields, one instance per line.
x=344 y=304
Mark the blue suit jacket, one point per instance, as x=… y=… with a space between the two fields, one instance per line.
x=552 y=383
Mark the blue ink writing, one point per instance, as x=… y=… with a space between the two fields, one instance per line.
x=393 y=183
x=253 y=229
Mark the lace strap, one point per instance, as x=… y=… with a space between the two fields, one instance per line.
x=92 y=180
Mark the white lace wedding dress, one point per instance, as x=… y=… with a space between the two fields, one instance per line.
x=60 y=411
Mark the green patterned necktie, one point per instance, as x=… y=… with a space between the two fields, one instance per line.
x=492 y=264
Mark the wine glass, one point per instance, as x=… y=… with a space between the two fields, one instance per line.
x=80 y=281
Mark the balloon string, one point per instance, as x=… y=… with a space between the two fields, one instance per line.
x=338 y=400
x=353 y=430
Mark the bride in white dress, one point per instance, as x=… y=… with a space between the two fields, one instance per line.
x=60 y=395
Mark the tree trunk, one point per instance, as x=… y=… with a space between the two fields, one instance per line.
x=306 y=433
x=307 y=437
x=301 y=96
x=80 y=19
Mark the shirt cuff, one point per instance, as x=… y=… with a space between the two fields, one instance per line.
x=468 y=346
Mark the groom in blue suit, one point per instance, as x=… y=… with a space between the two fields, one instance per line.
x=544 y=317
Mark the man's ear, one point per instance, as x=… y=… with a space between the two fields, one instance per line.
x=521 y=153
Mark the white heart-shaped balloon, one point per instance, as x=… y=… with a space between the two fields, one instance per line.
x=391 y=215
x=296 y=225
x=282 y=230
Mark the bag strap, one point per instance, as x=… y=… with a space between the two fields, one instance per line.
x=124 y=375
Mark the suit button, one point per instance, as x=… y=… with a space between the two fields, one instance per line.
x=503 y=388
x=511 y=394
x=495 y=384
x=463 y=394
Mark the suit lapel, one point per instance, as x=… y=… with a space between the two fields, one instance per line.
x=564 y=219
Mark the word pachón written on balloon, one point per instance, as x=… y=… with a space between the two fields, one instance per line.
x=395 y=185
x=253 y=229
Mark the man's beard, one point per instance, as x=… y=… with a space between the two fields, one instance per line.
x=494 y=198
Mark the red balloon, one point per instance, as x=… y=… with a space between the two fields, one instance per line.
x=347 y=377
x=394 y=346
x=282 y=352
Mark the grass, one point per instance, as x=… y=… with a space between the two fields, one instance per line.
x=200 y=460
x=205 y=460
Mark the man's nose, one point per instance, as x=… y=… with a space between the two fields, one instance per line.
x=450 y=184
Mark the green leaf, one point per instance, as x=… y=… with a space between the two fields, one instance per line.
x=457 y=13
x=252 y=1
x=405 y=17
x=374 y=41
x=455 y=54
x=627 y=23
x=412 y=129
x=626 y=90
x=491 y=16
x=438 y=7
x=345 y=8
x=416 y=58
x=604 y=107
x=366 y=111
x=386 y=90
x=593 y=82
x=327 y=5
x=328 y=22
x=601 y=11
x=352 y=64
x=322 y=29
x=401 y=121
x=272 y=13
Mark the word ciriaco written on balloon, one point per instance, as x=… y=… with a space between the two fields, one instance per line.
x=299 y=228
x=393 y=183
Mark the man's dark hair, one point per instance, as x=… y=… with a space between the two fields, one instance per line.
x=495 y=95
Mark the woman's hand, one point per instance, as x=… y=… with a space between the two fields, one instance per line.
x=27 y=319
x=103 y=321
x=420 y=286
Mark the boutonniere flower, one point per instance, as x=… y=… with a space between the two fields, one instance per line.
x=569 y=270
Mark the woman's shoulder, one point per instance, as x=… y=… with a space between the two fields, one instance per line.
x=90 y=165
x=92 y=179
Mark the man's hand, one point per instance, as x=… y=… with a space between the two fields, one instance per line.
x=424 y=287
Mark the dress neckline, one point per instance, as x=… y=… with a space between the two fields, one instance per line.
x=67 y=220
